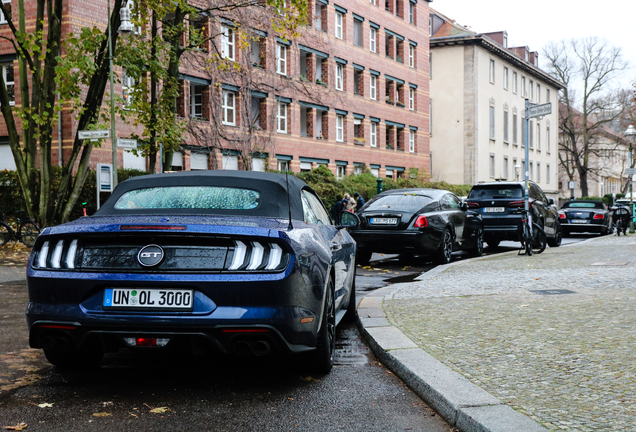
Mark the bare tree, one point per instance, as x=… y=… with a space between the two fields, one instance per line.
x=589 y=102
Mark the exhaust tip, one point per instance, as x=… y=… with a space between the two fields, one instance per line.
x=241 y=348
x=261 y=348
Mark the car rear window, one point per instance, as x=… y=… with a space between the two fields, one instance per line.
x=189 y=197
x=583 y=205
x=406 y=202
x=496 y=192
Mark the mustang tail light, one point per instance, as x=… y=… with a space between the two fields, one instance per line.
x=599 y=216
x=421 y=222
x=56 y=255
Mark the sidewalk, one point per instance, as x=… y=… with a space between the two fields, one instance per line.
x=516 y=343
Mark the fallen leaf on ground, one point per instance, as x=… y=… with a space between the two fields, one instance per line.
x=159 y=410
x=18 y=427
x=101 y=414
x=310 y=379
x=43 y=405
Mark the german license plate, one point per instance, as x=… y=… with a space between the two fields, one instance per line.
x=579 y=221
x=494 y=210
x=383 y=221
x=148 y=298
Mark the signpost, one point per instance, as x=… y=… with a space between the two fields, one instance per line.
x=93 y=134
x=126 y=143
x=532 y=110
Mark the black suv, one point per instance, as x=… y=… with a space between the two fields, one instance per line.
x=500 y=205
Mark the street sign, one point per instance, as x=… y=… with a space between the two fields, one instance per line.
x=126 y=143
x=630 y=171
x=539 y=110
x=571 y=185
x=93 y=134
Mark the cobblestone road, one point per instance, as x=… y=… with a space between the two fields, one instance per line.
x=552 y=334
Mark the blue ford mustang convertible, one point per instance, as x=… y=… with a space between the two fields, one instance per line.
x=237 y=262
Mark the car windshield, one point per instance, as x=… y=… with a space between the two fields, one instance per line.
x=496 y=192
x=407 y=202
x=583 y=205
x=189 y=197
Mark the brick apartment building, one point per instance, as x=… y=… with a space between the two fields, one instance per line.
x=351 y=91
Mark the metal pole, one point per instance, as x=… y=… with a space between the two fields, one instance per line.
x=631 y=194
x=527 y=152
x=113 y=135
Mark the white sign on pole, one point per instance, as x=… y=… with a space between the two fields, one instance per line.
x=571 y=185
x=630 y=171
x=93 y=134
x=539 y=110
x=105 y=177
x=126 y=143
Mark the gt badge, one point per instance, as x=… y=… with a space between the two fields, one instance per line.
x=150 y=256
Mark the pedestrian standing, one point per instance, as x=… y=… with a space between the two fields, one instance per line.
x=359 y=201
x=350 y=205
x=336 y=211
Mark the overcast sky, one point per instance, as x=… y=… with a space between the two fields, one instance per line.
x=538 y=22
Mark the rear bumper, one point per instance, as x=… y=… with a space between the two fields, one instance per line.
x=394 y=241
x=506 y=232
x=570 y=227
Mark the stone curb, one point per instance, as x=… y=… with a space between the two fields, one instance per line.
x=460 y=402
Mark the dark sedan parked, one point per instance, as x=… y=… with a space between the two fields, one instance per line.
x=417 y=221
x=236 y=262
x=585 y=216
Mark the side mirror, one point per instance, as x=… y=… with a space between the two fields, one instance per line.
x=464 y=206
x=550 y=201
x=348 y=220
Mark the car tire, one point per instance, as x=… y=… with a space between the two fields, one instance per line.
x=445 y=249
x=478 y=247
x=350 y=316
x=322 y=357
x=493 y=243
x=74 y=359
x=363 y=257
x=558 y=237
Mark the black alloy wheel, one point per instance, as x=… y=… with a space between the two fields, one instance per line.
x=322 y=357
x=478 y=247
x=5 y=234
x=445 y=249
x=558 y=237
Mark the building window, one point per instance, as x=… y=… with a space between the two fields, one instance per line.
x=357 y=32
x=374 y=134
x=196 y=101
x=531 y=134
x=281 y=118
x=305 y=167
x=514 y=82
x=339 y=20
x=492 y=165
x=227 y=42
x=547 y=95
x=538 y=172
x=373 y=35
x=358 y=132
x=547 y=173
x=374 y=87
x=412 y=141
x=7 y=74
x=430 y=117
x=514 y=128
x=339 y=76
x=228 y=105
x=523 y=87
x=538 y=137
x=538 y=93
x=492 y=71
x=340 y=128
x=283 y=165
x=530 y=169
x=411 y=56
x=199 y=30
x=492 y=122
x=505 y=78
x=514 y=167
x=547 y=139
x=411 y=13
x=341 y=171
x=412 y=99
x=505 y=168
x=281 y=59
x=358 y=84
x=531 y=96
x=505 y=40
x=505 y=125
x=430 y=65
x=127 y=84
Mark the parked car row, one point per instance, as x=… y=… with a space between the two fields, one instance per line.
x=247 y=263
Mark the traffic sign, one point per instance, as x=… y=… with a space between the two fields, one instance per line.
x=630 y=171
x=539 y=110
x=127 y=143
x=93 y=134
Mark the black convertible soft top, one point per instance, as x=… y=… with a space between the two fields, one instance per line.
x=271 y=187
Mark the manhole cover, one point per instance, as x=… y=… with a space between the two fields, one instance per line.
x=552 y=292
